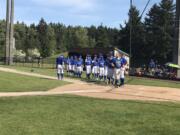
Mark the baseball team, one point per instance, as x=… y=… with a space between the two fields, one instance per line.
x=110 y=69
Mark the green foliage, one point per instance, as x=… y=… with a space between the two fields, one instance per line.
x=138 y=37
x=46 y=38
x=81 y=38
x=2 y=37
x=151 y=38
x=20 y=36
x=160 y=31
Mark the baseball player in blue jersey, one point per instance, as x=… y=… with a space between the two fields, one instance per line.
x=110 y=62
x=88 y=63
x=75 y=66
x=68 y=66
x=71 y=66
x=95 y=69
x=79 y=67
x=60 y=67
x=117 y=71
x=122 y=73
x=105 y=69
x=101 y=67
x=81 y=59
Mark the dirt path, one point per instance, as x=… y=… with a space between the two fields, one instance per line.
x=128 y=92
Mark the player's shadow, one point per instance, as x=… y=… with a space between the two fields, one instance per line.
x=42 y=78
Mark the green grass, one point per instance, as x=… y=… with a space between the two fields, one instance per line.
x=129 y=80
x=152 y=82
x=68 y=115
x=10 y=82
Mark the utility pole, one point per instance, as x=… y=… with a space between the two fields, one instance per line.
x=9 y=32
x=176 y=52
x=11 y=44
x=130 y=34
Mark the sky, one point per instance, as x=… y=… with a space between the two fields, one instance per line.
x=111 y=13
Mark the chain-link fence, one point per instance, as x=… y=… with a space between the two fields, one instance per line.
x=31 y=62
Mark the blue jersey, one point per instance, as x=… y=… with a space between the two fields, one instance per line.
x=75 y=62
x=71 y=61
x=88 y=62
x=118 y=63
x=79 y=63
x=101 y=63
x=95 y=63
x=123 y=61
x=68 y=61
x=81 y=59
x=110 y=62
x=60 y=60
x=106 y=63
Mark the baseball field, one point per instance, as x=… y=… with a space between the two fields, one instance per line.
x=33 y=102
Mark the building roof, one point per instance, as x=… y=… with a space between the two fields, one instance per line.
x=122 y=52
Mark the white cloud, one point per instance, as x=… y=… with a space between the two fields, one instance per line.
x=77 y=4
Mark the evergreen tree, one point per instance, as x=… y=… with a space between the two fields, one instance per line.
x=60 y=35
x=92 y=34
x=46 y=38
x=2 y=37
x=32 y=41
x=81 y=37
x=102 y=37
x=138 y=38
x=20 y=36
x=160 y=30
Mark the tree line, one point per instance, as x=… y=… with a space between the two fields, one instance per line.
x=152 y=37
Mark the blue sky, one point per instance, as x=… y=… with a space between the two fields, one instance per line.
x=74 y=12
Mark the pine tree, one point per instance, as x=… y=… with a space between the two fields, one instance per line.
x=160 y=31
x=2 y=37
x=138 y=38
x=102 y=37
x=46 y=38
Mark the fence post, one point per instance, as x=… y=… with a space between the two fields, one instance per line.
x=42 y=63
x=32 y=62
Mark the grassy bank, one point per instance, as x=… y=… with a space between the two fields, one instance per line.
x=10 y=82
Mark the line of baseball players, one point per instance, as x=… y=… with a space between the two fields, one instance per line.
x=111 y=70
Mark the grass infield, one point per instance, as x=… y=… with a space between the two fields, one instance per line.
x=70 y=115
x=129 y=80
x=10 y=82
